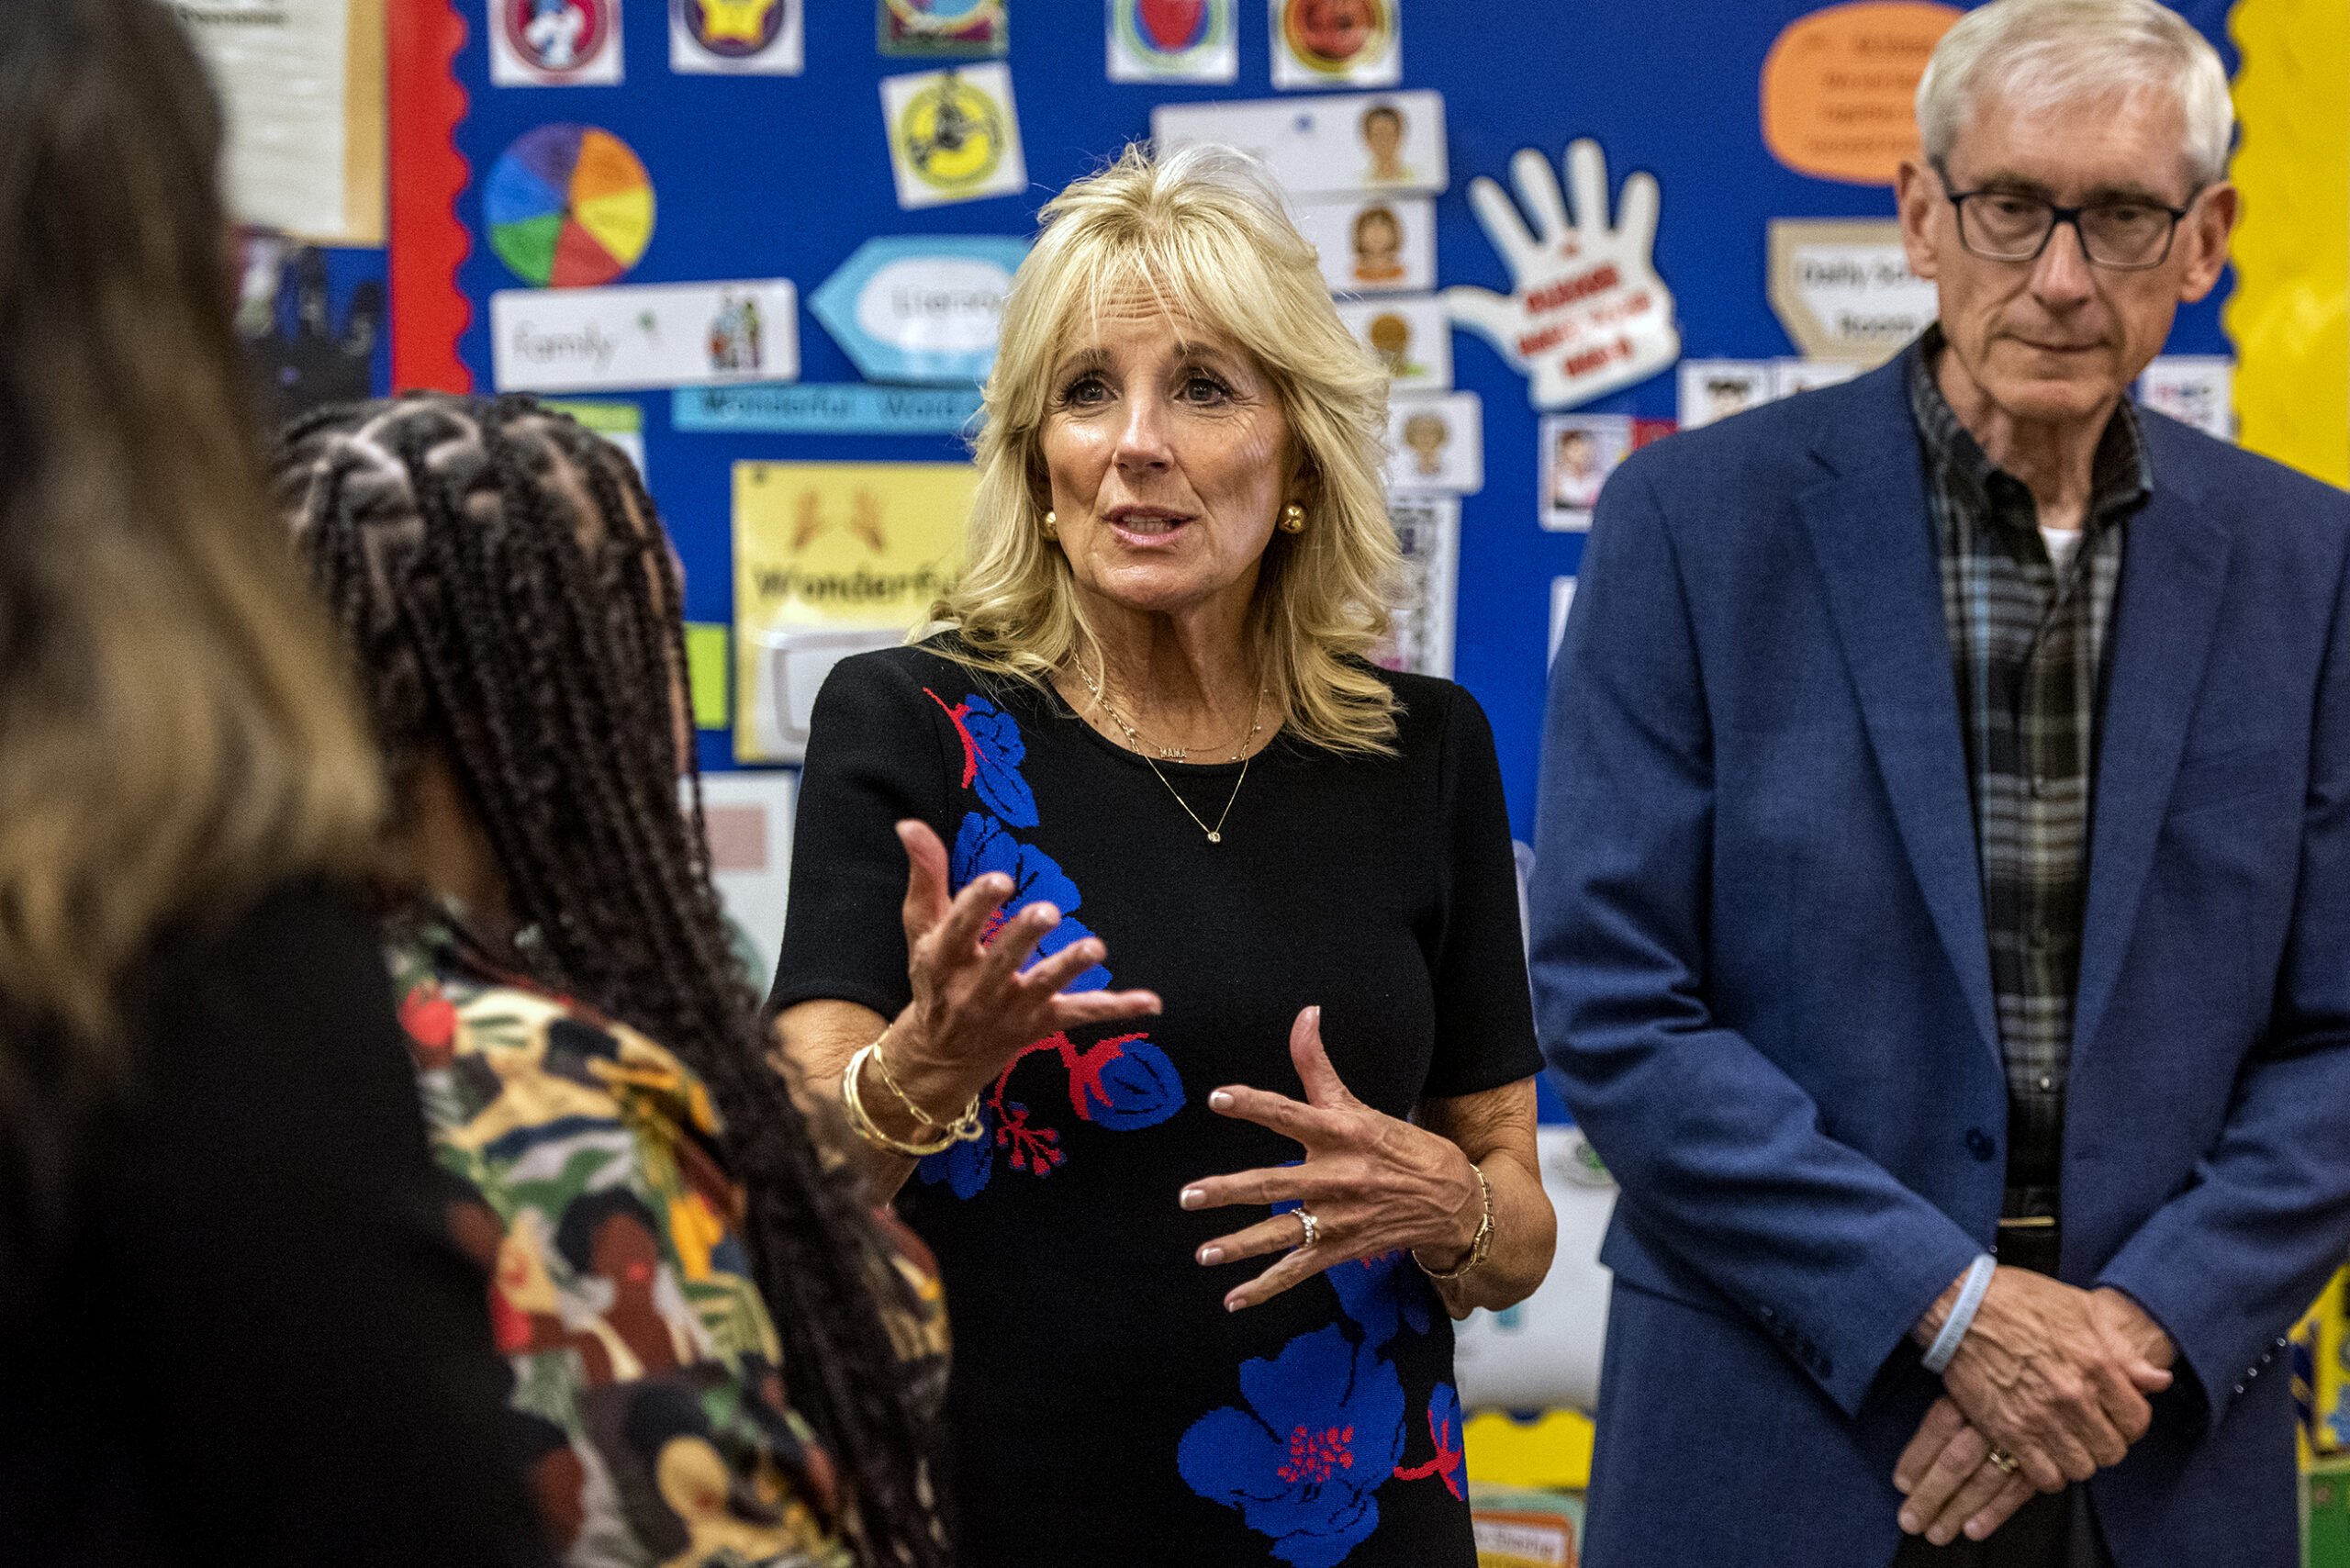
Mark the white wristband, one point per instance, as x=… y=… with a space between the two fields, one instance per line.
x=1955 y=1326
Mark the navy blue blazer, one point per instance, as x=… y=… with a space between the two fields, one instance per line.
x=1762 y=978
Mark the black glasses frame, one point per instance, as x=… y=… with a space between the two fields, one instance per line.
x=2059 y=217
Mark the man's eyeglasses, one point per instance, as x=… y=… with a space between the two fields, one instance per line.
x=2003 y=226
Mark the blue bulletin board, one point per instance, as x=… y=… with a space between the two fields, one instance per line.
x=785 y=176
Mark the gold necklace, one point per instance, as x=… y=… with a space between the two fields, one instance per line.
x=1256 y=723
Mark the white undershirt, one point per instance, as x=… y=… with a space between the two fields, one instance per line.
x=2063 y=544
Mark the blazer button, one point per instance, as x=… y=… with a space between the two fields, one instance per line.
x=1981 y=1144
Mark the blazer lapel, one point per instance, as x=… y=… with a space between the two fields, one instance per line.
x=2174 y=571
x=1871 y=533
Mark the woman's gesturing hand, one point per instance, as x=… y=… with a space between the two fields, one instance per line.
x=974 y=1006
x=1372 y=1183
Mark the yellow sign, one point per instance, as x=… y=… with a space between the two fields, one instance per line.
x=831 y=558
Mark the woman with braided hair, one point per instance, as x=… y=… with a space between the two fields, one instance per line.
x=739 y=1363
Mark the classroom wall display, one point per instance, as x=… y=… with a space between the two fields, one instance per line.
x=1562 y=600
x=1436 y=444
x=953 y=136
x=921 y=309
x=966 y=28
x=787 y=177
x=1335 y=43
x=676 y=334
x=554 y=43
x=569 y=207
x=1410 y=334
x=302 y=88
x=1374 y=245
x=1844 y=290
x=747 y=822
x=1579 y=451
x=830 y=559
x=1714 y=390
x=1172 y=40
x=1428 y=530
x=1838 y=86
x=1363 y=141
x=737 y=37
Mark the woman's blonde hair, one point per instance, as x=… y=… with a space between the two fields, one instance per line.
x=1203 y=233
x=175 y=734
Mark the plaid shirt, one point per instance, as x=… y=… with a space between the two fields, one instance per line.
x=2027 y=646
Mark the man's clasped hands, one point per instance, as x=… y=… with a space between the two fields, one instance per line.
x=2050 y=1376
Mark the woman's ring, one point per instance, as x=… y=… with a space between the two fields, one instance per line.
x=2005 y=1463
x=1313 y=1227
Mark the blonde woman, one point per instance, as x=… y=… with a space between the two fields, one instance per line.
x=1136 y=903
x=234 y=1332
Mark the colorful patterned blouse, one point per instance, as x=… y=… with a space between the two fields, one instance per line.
x=582 y=1169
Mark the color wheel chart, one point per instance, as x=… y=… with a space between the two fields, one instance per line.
x=569 y=207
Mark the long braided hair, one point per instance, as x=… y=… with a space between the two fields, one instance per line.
x=511 y=601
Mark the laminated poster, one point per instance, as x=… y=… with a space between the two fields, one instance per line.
x=1438 y=444
x=1382 y=245
x=554 y=43
x=305 y=117
x=643 y=335
x=1579 y=452
x=1409 y=334
x=1428 y=527
x=831 y=559
x=1364 y=141
x=953 y=136
x=921 y=307
x=1714 y=390
x=1172 y=40
x=967 y=29
x=737 y=37
x=1336 y=43
x=1843 y=290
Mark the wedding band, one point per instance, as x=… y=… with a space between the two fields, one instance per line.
x=2005 y=1463
x=1313 y=1227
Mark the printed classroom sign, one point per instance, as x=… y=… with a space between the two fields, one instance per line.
x=2194 y=389
x=675 y=334
x=1428 y=531
x=1335 y=43
x=1410 y=335
x=1438 y=444
x=1172 y=40
x=737 y=37
x=922 y=308
x=953 y=136
x=1579 y=452
x=568 y=206
x=972 y=29
x=554 y=43
x=1365 y=141
x=1843 y=290
x=830 y=559
x=1384 y=245
x=1714 y=390
x=1840 y=88
x=844 y=409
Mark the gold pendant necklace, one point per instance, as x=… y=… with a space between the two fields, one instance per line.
x=1256 y=723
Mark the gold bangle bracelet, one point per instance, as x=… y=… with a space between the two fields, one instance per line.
x=861 y=1123
x=1480 y=1246
x=966 y=1127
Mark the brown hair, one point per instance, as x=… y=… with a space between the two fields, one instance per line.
x=174 y=732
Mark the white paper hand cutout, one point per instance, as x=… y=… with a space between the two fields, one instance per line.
x=1589 y=314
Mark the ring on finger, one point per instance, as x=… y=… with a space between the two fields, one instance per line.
x=1313 y=1227
x=2003 y=1463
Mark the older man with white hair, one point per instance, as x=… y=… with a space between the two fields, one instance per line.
x=1943 y=909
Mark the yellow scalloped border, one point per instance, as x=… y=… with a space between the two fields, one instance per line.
x=2289 y=316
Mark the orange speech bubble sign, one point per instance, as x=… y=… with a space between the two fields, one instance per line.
x=1840 y=88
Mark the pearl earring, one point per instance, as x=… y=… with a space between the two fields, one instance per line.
x=1292 y=518
x=1052 y=529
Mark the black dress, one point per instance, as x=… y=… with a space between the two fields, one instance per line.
x=235 y=1328
x=1107 y=1410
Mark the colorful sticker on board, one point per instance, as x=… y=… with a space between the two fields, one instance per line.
x=1364 y=141
x=644 y=335
x=1438 y=444
x=737 y=37
x=1386 y=245
x=1588 y=314
x=1410 y=337
x=922 y=308
x=568 y=206
x=1840 y=88
x=972 y=30
x=1579 y=451
x=954 y=135
x=554 y=43
x=1172 y=40
x=1335 y=43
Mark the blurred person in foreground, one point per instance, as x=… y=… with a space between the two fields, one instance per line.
x=718 y=1356
x=1154 y=743
x=1942 y=910
x=233 y=1331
